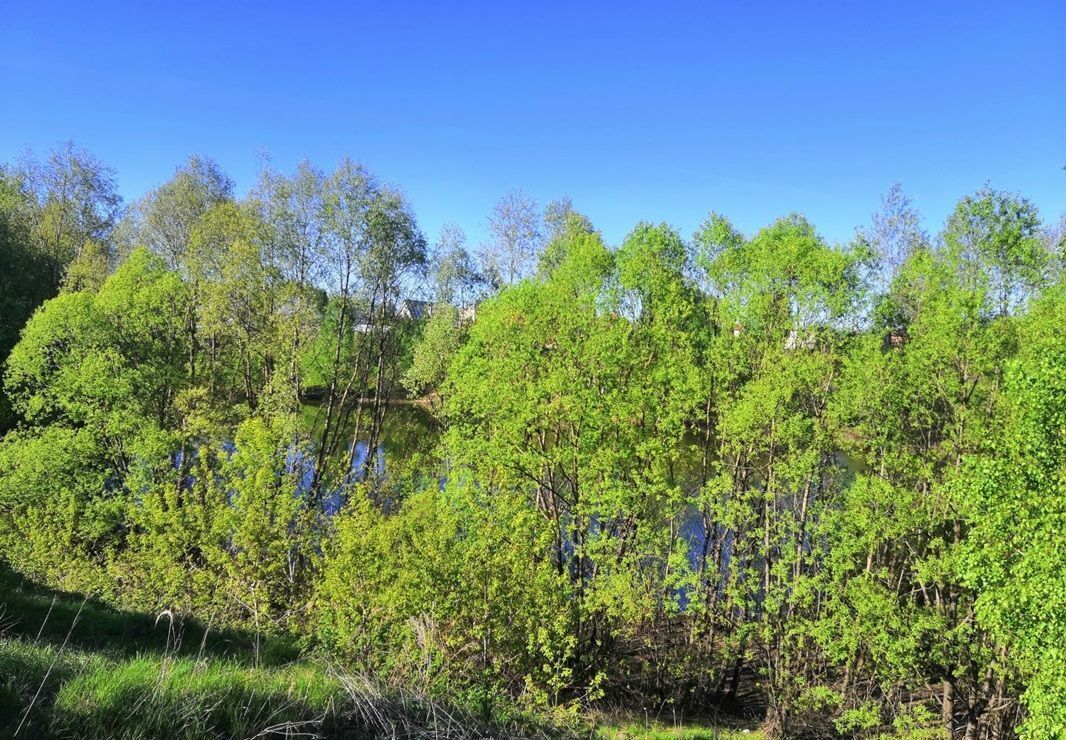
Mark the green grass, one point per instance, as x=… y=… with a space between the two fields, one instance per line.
x=51 y=692
x=659 y=731
x=44 y=616
x=73 y=668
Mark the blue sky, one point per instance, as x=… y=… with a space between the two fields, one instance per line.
x=659 y=111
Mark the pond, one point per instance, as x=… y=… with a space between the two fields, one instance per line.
x=410 y=435
x=409 y=432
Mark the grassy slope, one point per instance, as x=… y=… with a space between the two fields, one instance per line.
x=667 y=732
x=75 y=668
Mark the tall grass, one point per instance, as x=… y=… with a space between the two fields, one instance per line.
x=71 y=667
x=87 y=695
x=75 y=668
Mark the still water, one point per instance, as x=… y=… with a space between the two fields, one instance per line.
x=408 y=433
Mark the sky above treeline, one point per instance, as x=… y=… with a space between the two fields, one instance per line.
x=656 y=111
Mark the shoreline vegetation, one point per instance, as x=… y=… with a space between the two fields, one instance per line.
x=74 y=667
x=276 y=464
x=311 y=395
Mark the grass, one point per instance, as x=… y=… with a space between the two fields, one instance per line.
x=72 y=668
x=627 y=725
x=46 y=692
x=148 y=697
x=658 y=731
x=44 y=616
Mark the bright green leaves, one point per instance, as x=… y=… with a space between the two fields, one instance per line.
x=559 y=402
x=94 y=377
x=786 y=277
x=1015 y=554
x=441 y=338
x=716 y=242
x=59 y=511
x=917 y=398
x=995 y=237
x=456 y=585
x=89 y=358
x=231 y=538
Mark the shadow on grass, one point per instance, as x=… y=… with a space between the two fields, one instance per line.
x=150 y=697
x=43 y=615
x=73 y=668
x=46 y=694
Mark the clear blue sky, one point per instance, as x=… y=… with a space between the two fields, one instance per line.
x=635 y=111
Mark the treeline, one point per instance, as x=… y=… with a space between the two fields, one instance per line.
x=666 y=470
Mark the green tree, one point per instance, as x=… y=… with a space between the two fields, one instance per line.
x=995 y=239
x=441 y=338
x=572 y=392
x=771 y=472
x=1014 y=554
x=917 y=396
x=164 y=219
x=94 y=377
x=77 y=204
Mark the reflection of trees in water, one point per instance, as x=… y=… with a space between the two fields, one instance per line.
x=408 y=434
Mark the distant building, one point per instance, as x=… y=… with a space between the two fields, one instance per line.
x=794 y=341
x=414 y=310
x=467 y=314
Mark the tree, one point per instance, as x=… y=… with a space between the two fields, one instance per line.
x=53 y=213
x=515 y=228
x=994 y=236
x=558 y=217
x=25 y=276
x=665 y=470
x=715 y=237
x=895 y=233
x=165 y=218
x=1014 y=554
x=441 y=337
x=94 y=377
x=909 y=414
x=373 y=247
x=771 y=471
x=77 y=204
x=234 y=539
x=563 y=224
x=292 y=212
x=560 y=400
x=455 y=278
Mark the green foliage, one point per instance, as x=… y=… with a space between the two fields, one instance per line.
x=562 y=405
x=75 y=668
x=233 y=540
x=441 y=338
x=1016 y=552
x=671 y=473
x=458 y=610
x=56 y=216
x=995 y=238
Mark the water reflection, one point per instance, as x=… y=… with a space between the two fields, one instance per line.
x=408 y=431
